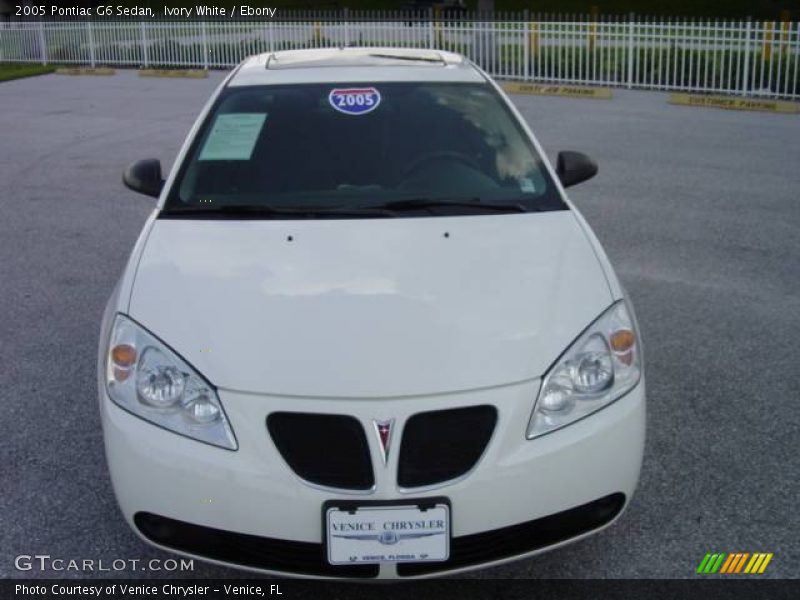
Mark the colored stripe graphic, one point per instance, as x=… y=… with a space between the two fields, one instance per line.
x=717 y=564
x=741 y=562
x=734 y=563
x=711 y=563
x=755 y=562
x=702 y=566
x=765 y=563
x=727 y=565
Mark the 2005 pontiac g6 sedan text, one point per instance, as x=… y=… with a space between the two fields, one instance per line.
x=364 y=333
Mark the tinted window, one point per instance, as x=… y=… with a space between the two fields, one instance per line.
x=308 y=146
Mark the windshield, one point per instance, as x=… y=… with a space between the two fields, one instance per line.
x=358 y=150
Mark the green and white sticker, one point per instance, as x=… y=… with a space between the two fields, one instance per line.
x=233 y=136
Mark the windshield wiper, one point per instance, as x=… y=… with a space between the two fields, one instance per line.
x=432 y=203
x=255 y=211
x=388 y=209
x=415 y=58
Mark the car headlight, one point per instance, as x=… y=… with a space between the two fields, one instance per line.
x=603 y=364
x=148 y=379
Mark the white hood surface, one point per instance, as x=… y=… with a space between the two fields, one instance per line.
x=369 y=307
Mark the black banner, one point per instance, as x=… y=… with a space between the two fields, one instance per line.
x=457 y=589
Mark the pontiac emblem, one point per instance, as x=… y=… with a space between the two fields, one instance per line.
x=383 y=429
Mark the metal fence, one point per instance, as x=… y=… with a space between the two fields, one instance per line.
x=736 y=57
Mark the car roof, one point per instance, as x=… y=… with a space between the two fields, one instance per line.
x=333 y=65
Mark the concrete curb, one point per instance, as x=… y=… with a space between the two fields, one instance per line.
x=183 y=73
x=569 y=91
x=85 y=71
x=731 y=103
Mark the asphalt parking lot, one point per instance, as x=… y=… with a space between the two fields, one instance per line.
x=698 y=209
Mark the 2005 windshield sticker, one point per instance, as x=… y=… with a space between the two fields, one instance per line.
x=233 y=136
x=355 y=101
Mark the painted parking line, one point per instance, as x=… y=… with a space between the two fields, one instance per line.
x=729 y=103
x=571 y=91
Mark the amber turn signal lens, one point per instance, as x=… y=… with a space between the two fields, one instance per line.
x=621 y=343
x=622 y=340
x=123 y=355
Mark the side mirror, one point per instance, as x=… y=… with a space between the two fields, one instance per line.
x=574 y=167
x=144 y=176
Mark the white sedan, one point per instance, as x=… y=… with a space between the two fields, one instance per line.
x=364 y=333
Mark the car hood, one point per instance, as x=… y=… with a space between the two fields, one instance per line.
x=369 y=307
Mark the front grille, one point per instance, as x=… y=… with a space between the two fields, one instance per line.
x=441 y=445
x=329 y=450
x=303 y=558
x=520 y=539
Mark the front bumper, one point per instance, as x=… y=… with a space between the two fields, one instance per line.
x=249 y=509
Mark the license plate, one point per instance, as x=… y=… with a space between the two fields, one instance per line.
x=387 y=533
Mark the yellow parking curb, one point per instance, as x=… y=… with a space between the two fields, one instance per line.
x=186 y=73
x=570 y=91
x=731 y=103
x=85 y=71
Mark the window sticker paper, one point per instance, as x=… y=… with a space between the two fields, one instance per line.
x=233 y=136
